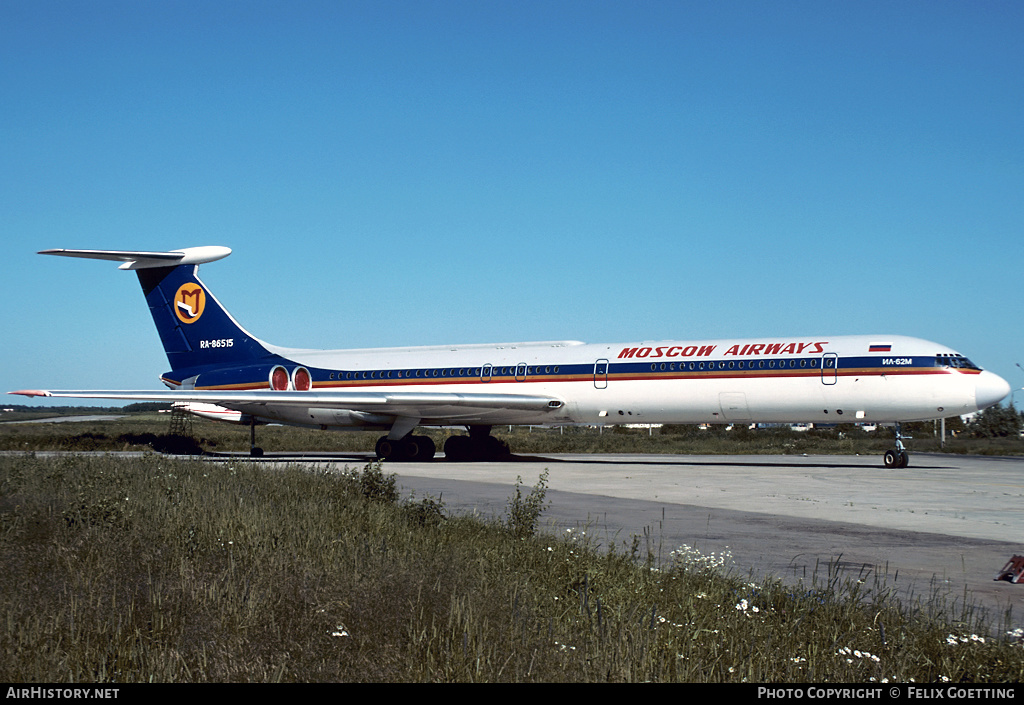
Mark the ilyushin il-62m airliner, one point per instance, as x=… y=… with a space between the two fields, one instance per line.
x=219 y=370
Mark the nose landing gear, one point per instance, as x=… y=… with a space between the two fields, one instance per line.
x=898 y=456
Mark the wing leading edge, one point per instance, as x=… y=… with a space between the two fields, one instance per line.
x=419 y=404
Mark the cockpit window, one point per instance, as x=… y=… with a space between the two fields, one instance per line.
x=956 y=361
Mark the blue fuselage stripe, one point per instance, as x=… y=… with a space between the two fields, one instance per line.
x=257 y=376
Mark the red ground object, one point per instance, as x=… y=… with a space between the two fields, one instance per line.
x=1013 y=571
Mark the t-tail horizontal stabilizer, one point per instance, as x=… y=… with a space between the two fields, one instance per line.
x=196 y=331
x=133 y=259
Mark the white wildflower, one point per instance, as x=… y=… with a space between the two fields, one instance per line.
x=689 y=558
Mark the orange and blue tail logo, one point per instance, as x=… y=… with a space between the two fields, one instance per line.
x=189 y=302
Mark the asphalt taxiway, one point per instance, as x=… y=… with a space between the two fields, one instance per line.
x=945 y=526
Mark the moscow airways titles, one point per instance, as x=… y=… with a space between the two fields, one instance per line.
x=809 y=348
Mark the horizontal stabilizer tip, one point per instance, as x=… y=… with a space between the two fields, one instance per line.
x=136 y=259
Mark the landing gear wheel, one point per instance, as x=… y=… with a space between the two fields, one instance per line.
x=385 y=449
x=896 y=458
x=458 y=449
x=496 y=448
x=477 y=447
x=418 y=448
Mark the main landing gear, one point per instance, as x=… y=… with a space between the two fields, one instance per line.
x=479 y=445
x=898 y=456
x=408 y=449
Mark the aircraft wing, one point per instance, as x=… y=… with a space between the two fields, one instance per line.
x=408 y=404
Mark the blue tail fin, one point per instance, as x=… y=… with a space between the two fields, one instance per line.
x=196 y=331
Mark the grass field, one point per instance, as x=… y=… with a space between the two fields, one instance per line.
x=161 y=569
x=157 y=568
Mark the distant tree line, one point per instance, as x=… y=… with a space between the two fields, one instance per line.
x=147 y=406
x=996 y=422
x=74 y=410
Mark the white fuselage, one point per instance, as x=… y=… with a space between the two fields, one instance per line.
x=837 y=379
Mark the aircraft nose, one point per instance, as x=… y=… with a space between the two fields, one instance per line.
x=989 y=389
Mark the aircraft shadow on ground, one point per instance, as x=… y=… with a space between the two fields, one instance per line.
x=661 y=460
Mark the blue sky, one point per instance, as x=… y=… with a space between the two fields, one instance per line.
x=402 y=173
